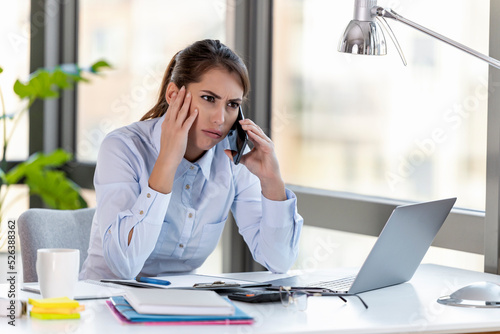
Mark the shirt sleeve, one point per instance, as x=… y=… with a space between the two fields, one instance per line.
x=125 y=201
x=271 y=229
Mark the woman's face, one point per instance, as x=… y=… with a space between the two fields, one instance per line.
x=217 y=97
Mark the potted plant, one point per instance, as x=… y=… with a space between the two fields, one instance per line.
x=40 y=172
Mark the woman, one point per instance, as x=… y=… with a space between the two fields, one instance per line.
x=164 y=185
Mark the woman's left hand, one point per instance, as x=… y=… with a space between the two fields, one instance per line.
x=262 y=162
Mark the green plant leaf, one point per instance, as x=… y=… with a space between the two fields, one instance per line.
x=99 y=65
x=57 y=158
x=38 y=161
x=14 y=175
x=40 y=86
x=55 y=189
x=45 y=84
x=40 y=172
x=23 y=90
x=61 y=79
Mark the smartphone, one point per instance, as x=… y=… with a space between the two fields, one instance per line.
x=258 y=296
x=238 y=138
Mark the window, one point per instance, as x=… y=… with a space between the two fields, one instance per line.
x=371 y=126
x=138 y=38
x=15 y=34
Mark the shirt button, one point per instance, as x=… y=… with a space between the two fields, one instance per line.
x=190 y=215
x=141 y=212
x=192 y=167
x=181 y=246
x=148 y=195
x=188 y=186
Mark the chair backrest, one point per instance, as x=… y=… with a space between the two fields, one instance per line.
x=47 y=228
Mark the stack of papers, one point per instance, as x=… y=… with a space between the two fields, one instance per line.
x=170 y=306
x=127 y=315
x=171 y=301
x=55 y=308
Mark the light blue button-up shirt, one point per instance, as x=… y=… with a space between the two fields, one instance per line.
x=176 y=232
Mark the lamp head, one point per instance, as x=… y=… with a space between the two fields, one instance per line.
x=364 y=34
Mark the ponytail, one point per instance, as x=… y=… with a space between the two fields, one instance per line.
x=161 y=106
x=188 y=66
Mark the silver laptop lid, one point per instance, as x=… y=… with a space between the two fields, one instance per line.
x=402 y=244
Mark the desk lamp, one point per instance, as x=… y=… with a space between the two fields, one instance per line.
x=364 y=36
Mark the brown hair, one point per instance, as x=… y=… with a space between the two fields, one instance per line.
x=189 y=64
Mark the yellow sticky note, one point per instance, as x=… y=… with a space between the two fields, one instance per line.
x=48 y=316
x=57 y=310
x=62 y=302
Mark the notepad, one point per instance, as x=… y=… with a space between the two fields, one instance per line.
x=54 y=302
x=179 y=302
x=44 y=316
x=122 y=310
x=55 y=308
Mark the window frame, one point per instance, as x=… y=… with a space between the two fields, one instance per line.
x=472 y=231
x=492 y=208
x=56 y=42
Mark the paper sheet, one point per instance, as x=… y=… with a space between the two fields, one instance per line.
x=187 y=281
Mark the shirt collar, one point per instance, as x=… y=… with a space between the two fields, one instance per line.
x=205 y=162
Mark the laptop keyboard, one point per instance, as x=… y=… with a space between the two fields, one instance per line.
x=339 y=285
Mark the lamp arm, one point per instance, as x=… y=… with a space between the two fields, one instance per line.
x=389 y=13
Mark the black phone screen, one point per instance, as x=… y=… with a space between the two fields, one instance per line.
x=237 y=138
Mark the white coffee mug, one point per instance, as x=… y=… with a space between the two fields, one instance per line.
x=57 y=270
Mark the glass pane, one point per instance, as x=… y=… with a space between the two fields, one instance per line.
x=323 y=249
x=138 y=38
x=15 y=34
x=368 y=124
x=15 y=37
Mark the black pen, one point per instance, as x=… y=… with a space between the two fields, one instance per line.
x=127 y=283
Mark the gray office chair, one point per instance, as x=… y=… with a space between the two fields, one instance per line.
x=47 y=228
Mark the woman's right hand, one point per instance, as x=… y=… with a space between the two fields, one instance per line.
x=173 y=142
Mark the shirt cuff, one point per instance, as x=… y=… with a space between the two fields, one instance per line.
x=278 y=214
x=151 y=204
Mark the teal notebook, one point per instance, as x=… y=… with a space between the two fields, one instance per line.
x=124 y=309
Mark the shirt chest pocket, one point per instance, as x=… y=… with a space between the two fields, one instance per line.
x=209 y=239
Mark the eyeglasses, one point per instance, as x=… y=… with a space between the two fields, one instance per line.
x=298 y=297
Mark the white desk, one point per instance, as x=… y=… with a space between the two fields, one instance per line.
x=410 y=307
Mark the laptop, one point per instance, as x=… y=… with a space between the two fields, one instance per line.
x=396 y=255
